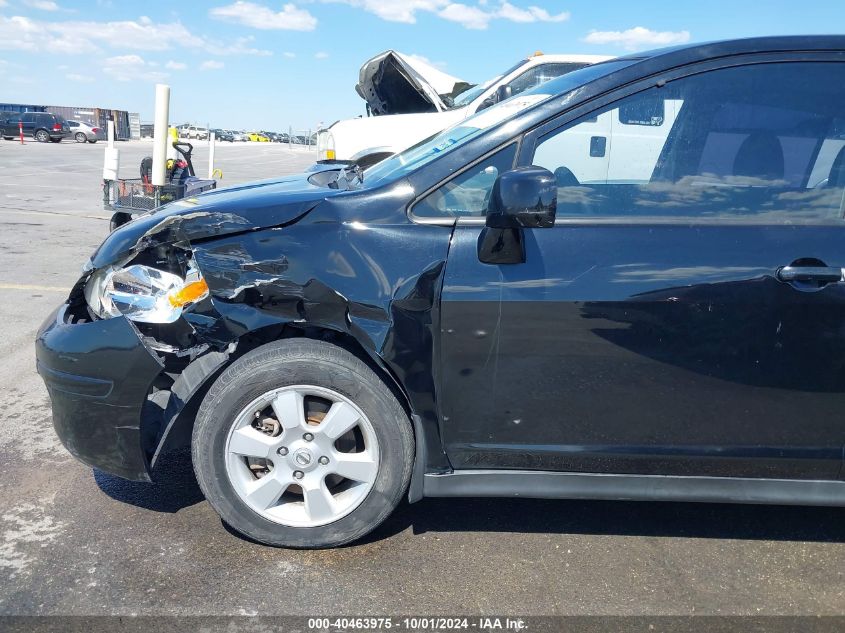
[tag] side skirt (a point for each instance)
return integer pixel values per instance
(553, 485)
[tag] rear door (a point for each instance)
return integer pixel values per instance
(28, 119)
(685, 315)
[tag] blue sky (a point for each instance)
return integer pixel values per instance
(269, 64)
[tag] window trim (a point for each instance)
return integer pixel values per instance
(532, 137)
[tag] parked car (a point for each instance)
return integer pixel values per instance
(42, 126)
(238, 136)
(82, 131)
(223, 135)
(488, 314)
(258, 136)
(410, 101)
(192, 131)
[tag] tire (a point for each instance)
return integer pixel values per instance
(42, 136)
(92, 141)
(285, 369)
(55, 140)
(80, 137)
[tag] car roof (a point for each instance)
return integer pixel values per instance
(767, 44)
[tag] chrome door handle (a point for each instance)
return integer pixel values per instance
(826, 274)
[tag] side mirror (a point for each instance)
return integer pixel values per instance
(489, 101)
(503, 92)
(525, 197)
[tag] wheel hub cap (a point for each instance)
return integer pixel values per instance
(303, 458)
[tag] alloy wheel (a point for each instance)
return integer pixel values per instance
(302, 456)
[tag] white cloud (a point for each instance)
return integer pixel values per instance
(75, 37)
(532, 14)
(85, 79)
(258, 16)
(42, 5)
(426, 60)
(131, 68)
(171, 65)
(211, 64)
(637, 38)
(470, 16)
(289, 55)
(3, 3)
(321, 55)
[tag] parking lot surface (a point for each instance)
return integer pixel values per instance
(77, 541)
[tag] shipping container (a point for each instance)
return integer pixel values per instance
(70, 113)
(134, 126)
(20, 107)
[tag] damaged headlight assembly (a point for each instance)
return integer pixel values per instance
(143, 293)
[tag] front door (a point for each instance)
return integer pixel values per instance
(684, 316)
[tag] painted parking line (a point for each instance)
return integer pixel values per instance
(5, 286)
(53, 214)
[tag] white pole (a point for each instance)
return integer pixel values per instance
(160, 136)
(210, 155)
(111, 159)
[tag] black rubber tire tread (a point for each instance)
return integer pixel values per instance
(291, 362)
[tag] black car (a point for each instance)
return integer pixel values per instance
(223, 135)
(624, 284)
(42, 126)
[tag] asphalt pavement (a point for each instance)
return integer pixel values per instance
(77, 541)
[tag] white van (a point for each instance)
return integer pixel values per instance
(638, 133)
(409, 100)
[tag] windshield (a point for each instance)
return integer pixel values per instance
(421, 154)
(452, 138)
(468, 96)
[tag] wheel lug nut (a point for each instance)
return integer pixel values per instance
(283, 450)
(298, 474)
(324, 460)
(308, 437)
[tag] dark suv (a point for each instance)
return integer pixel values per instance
(626, 283)
(42, 126)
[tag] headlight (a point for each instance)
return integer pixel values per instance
(143, 294)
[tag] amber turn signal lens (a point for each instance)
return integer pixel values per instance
(189, 293)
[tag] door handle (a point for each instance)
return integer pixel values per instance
(823, 274)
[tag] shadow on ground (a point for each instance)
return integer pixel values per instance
(176, 488)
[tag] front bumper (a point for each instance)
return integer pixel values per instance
(98, 375)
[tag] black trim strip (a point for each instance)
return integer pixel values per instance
(553, 485)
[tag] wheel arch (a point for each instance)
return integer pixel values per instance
(177, 433)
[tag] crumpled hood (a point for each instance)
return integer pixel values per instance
(248, 207)
(394, 83)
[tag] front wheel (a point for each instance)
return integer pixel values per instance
(42, 136)
(80, 137)
(300, 444)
